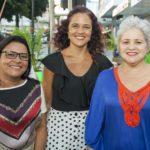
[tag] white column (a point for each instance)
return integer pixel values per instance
(70, 5)
(51, 19)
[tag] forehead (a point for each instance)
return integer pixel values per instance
(16, 46)
(133, 33)
(80, 18)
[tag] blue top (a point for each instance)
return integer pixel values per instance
(105, 125)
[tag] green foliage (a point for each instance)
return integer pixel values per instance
(111, 43)
(25, 34)
(15, 7)
(147, 59)
(35, 43)
(36, 47)
(39, 7)
(23, 8)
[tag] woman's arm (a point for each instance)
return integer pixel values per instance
(95, 117)
(47, 86)
(41, 134)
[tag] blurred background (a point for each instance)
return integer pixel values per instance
(37, 20)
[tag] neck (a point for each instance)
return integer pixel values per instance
(10, 82)
(74, 51)
(133, 69)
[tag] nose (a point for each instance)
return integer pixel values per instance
(131, 46)
(18, 58)
(80, 30)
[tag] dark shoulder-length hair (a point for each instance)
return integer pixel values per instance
(61, 40)
(21, 40)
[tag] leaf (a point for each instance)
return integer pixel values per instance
(35, 44)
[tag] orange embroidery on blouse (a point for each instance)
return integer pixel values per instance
(131, 102)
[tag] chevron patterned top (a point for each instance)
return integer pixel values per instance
(19, 113)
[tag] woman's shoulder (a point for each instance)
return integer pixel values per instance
(102, 61)
(53, 61)
(30, 83)
(105, 79)
(33, 81)
(106, 74)
(108, 71)
(100, 57)
(52, 57)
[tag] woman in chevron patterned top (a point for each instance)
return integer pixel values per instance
(22, 106)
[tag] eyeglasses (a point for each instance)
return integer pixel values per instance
(13, 55)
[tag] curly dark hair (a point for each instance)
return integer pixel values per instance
(15, 38)
(95, 45)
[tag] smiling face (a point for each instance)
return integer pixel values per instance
(13, 68)
(80, 30)
(133, 46)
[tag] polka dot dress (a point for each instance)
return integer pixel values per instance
(66, 130)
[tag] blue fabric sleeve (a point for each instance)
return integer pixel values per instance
(95, 117)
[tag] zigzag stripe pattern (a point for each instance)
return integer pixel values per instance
(14, 122)
(15, 115)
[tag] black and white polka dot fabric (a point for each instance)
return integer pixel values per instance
(66, 130)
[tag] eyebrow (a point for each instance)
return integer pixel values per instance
(7, 50)
(78, 24)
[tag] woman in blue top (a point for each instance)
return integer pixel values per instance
(119, 115)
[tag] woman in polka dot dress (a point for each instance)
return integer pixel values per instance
(69, 77)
